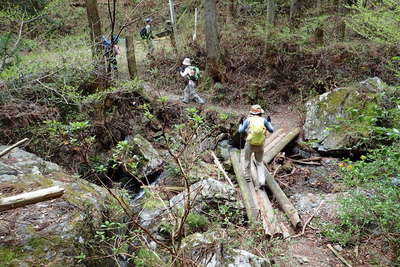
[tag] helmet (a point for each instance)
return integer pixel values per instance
(187, 62)
(256, 110)
(148, 20)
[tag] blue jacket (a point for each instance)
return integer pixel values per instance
(243, 127)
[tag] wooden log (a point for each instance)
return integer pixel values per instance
(219, 165)
(267, 213)
(271, 153)
(24, 199)
(5, 151)
(272, 137)
(340, 257)
(282, 199)
(248, 199)
(269, 145)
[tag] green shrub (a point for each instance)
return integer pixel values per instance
(373, 208)
(196, 222)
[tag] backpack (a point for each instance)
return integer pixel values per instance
(195, 73)
(256, 131)
(143, 33)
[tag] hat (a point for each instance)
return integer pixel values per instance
(256, 109)
(187, 62)
(148, 20)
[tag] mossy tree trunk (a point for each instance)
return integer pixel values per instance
(342, 11)
(214, 64)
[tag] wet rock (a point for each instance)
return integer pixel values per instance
(327, 110)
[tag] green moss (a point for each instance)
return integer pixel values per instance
(145, 257)
(196, 222)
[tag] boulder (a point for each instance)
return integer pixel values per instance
(206, 249)
(205, 192)
(326, 111)
(154, 161)
(50, 232)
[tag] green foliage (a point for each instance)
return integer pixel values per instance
(145, 257)
(196, 222)
(376, 122)
(374, 207)
(379, 23)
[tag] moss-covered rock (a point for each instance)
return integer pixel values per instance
(325, 114)
(51, 232)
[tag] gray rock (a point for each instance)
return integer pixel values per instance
(154, 161)
(48, 231)
(324, 112)
(207, 250)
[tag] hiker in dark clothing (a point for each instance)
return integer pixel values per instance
(112, 50)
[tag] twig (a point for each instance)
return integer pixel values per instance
(219, 165)
(305, 162)
(5, 151)
(308, 221)
(345, 262)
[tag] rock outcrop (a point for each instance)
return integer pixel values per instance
(47, 233)
(327, 111)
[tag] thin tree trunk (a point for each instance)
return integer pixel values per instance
(294, 6)
(233, 9)
(342, 10)
(130, 55)
(271, 9)
(173, 36)
(95, 31)
(212, 41)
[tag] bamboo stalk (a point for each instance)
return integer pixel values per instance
(282, 199)
(248, 199)
(5, 151)
(271, 153)
(24, 199)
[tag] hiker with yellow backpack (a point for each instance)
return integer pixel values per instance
(256, 128)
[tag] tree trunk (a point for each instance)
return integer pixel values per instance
(130, 55)
(173, 36)
(294, 8)
(271, 8)
(342, 10)
(214, 64)
(95, 31)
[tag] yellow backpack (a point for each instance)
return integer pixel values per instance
(256, 131)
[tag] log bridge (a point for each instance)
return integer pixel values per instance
(257, 204)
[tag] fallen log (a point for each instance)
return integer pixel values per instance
(269, 154)
(5, 151)
(340, 257)
(24, 199)
(282, 199)
(248, 199)
(267, 213)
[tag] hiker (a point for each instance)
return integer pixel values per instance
(148, 36)
(191, 75)
(111, 52)
(256, 128)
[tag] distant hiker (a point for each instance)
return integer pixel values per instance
(146, 33)
(112, 50)
(256, 128)
(191, 75)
